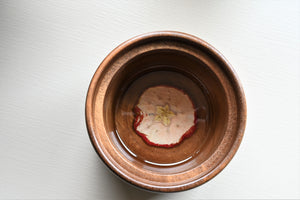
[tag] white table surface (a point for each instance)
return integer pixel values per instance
(49, 51)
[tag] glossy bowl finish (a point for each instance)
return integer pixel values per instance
(178, 60)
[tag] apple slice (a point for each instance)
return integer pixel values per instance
(164, 116)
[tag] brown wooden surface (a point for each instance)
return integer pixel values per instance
(182, 61)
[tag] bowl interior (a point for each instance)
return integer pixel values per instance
(179, 70)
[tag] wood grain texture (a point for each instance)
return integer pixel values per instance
(50, 50)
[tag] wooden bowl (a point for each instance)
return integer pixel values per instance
(182, 61)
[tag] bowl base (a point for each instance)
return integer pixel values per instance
(134, 145)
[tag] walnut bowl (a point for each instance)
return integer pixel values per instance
(182, 61)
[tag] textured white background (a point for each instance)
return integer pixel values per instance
(49, 51)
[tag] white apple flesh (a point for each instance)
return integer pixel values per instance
(164, 116)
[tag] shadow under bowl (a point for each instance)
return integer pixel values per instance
(181, 61)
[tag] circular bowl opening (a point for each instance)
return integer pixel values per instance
(179, 61)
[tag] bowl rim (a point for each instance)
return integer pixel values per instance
(238, 90)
